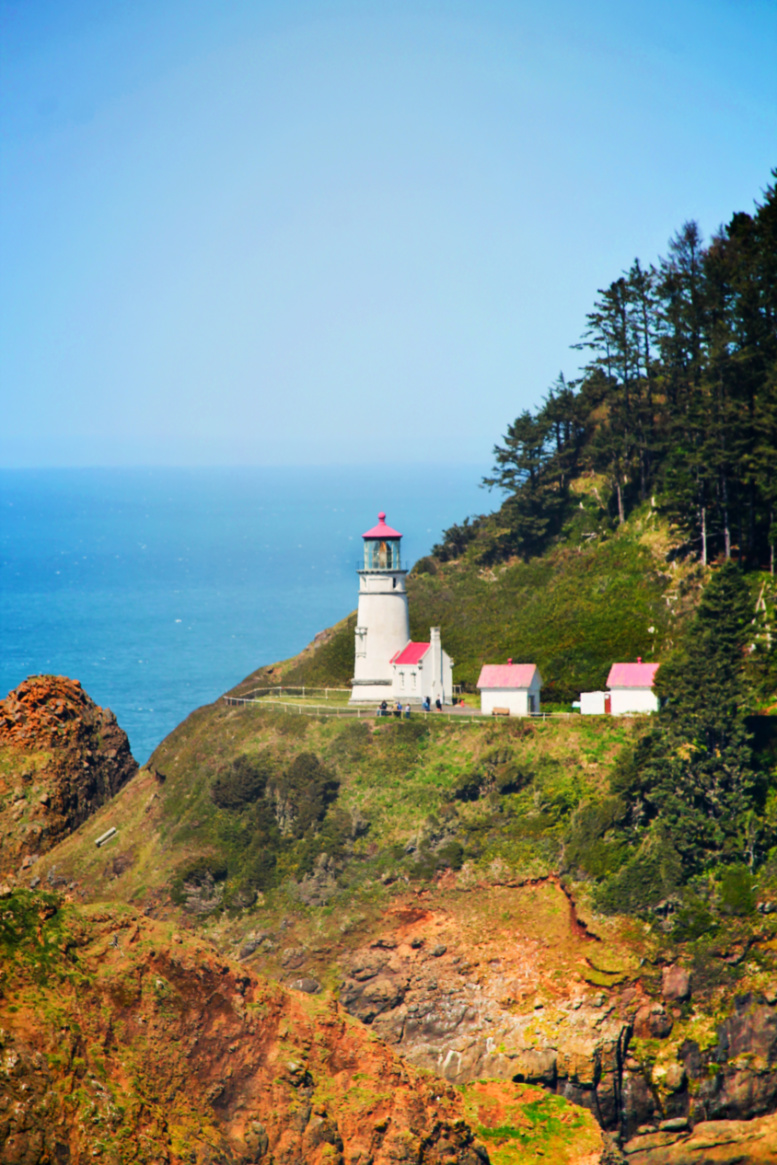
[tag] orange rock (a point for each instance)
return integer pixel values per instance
(67, 757)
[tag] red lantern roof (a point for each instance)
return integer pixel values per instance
(382, 530)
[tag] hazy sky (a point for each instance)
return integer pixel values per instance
(255, 232)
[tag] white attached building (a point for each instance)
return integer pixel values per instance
(631, 688)
(421, 670)
(511, 686)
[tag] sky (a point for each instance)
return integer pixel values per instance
(332, 232)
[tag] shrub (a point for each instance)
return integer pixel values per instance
(425, 566)
(737, 891)
(653, 874)
(451, 855)
(202, 872)
(301, 795)
(240, 783)
(586, 848)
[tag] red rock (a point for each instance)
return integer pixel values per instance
(652, 1023)
(675, 984)
(53, 715)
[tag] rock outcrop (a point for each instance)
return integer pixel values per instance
(62, 758)
(725, 1142)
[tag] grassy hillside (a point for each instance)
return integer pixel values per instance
(253, 801)
(572, 611)
(247, 816)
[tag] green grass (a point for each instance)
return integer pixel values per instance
(532, 1126)
(395, 811)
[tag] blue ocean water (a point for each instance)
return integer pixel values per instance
(161, 588)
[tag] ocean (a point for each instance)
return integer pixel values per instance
(159, 589)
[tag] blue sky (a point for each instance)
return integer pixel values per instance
(257, 233)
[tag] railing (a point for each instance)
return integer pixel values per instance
(370, 712)
(303, 690)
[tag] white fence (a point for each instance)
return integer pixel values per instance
(257, 698)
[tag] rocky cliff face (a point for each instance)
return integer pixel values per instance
(649, 1065)
(124, 1040)
(61, 758)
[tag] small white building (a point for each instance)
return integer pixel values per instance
(631, 688)
(594, 703)
(510, 687)
(421, 670)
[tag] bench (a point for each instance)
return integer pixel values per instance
(500, 711)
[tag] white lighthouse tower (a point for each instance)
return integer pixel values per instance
(382, 621)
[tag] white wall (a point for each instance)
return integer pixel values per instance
(438, 670)
(516, 699)
(592, 703)
(633, 700)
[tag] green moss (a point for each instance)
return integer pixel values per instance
(530, 1127)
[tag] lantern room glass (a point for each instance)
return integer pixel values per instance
(381, 554)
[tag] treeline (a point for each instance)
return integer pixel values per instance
(678, 401)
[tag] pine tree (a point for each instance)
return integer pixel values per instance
(693, 775)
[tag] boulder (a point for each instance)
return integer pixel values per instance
(652, 1022)
(675, 984)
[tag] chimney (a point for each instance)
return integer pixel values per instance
(436, 653)
(510, 660)
(639, 659)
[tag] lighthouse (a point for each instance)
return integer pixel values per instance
(382, 620)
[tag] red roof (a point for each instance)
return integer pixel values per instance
(382, 530)
(413, 653)
(508, 675)
(632, 675)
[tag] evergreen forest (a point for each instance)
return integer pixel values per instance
(677, 403)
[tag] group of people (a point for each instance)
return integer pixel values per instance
(404, 709)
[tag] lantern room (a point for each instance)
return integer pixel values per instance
(381, 547)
